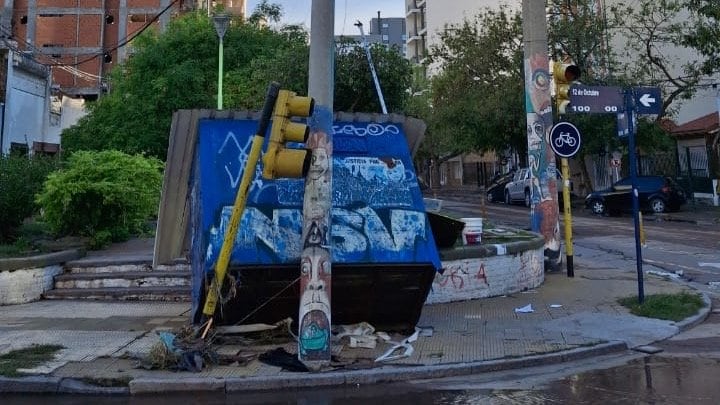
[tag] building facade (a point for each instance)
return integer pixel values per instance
(81, 39)
(425, 19)
(391, 31)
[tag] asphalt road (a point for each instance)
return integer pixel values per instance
(680, 248)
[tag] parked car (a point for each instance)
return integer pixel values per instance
(655, 194)
(518, 190)
(496, 190)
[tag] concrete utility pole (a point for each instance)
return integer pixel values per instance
(316, 258)
(544, 215)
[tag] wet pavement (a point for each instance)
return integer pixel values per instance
(646, 380)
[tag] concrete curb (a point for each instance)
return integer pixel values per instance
(392, 373)
(386, 374)
(42, 260)
(695, 320)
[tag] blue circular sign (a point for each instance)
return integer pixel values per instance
(565, 139)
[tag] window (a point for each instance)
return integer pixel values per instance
(385, 38)
(385, 25)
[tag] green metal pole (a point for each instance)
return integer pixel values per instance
(220, 77)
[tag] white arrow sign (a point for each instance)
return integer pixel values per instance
(647, 100)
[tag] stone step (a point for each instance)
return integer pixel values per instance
(116, 266)
(126, 279)
(177, 294)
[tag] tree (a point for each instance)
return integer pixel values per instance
(477, 96)
(354, 85)
(177, 69)
(168, 71)
(657, 32)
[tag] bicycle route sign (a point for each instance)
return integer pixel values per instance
(565, 139)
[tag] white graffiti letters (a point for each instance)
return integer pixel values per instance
(371, 129)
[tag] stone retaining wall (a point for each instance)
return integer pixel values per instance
(25, 279)
(488, 270)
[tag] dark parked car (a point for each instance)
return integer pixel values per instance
(655, 194)
(496, 190)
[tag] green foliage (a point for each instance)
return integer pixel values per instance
(105, 195)
(178, 68)
(21, 178)
(652, 34)
(354, 86)
(477, 96)
(29, 357)
(173, 70)
(672, 307)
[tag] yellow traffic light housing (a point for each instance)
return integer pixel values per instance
(564, 74)
(280, 161)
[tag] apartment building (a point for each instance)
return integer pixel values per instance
(390, 30)
(426, 18)
(82, 39)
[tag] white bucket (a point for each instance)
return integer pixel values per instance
(472, 232)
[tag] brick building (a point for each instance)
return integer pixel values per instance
(81, 39)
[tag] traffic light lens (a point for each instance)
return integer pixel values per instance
(572, 73)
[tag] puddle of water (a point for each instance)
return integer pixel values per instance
(648, 380)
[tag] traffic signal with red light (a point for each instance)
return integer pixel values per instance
(564, 74)
(281, 161)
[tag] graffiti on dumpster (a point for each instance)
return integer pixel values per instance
(377, 209)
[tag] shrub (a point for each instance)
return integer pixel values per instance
(21, 177)
(105, 195)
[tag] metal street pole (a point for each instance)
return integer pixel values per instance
(221, 22)
(314, 317)
(630, 111)
(544, 215)
(372, 66)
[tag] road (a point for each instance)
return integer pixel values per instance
(690, 250)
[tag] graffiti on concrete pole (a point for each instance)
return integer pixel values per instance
(544, 215)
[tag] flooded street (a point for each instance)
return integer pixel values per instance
(644, 380)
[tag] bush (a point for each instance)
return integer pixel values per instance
(105, 195)
(21, 177)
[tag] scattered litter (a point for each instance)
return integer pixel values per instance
(663, 274)
(716, 265)
(237, 329)
(524, 310)
(714, 284)
(367, 342)
(281, 358)
(555, 306)
(426, 331)
(393, 353)
(356, 329)
(168, 339)
(648, 349)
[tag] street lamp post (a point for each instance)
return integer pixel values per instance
(221, 22)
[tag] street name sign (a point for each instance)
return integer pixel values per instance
(596, 99)
(565, 139)
(623, 127)
(648, 100)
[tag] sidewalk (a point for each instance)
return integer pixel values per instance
(572, 318)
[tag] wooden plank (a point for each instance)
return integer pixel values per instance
(172, 238)
(174, 204)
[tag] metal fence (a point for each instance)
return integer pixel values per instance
(693, 167)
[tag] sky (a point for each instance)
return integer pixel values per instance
(347, 12)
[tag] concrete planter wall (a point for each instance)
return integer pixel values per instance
(25, 279)
(488, 270)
